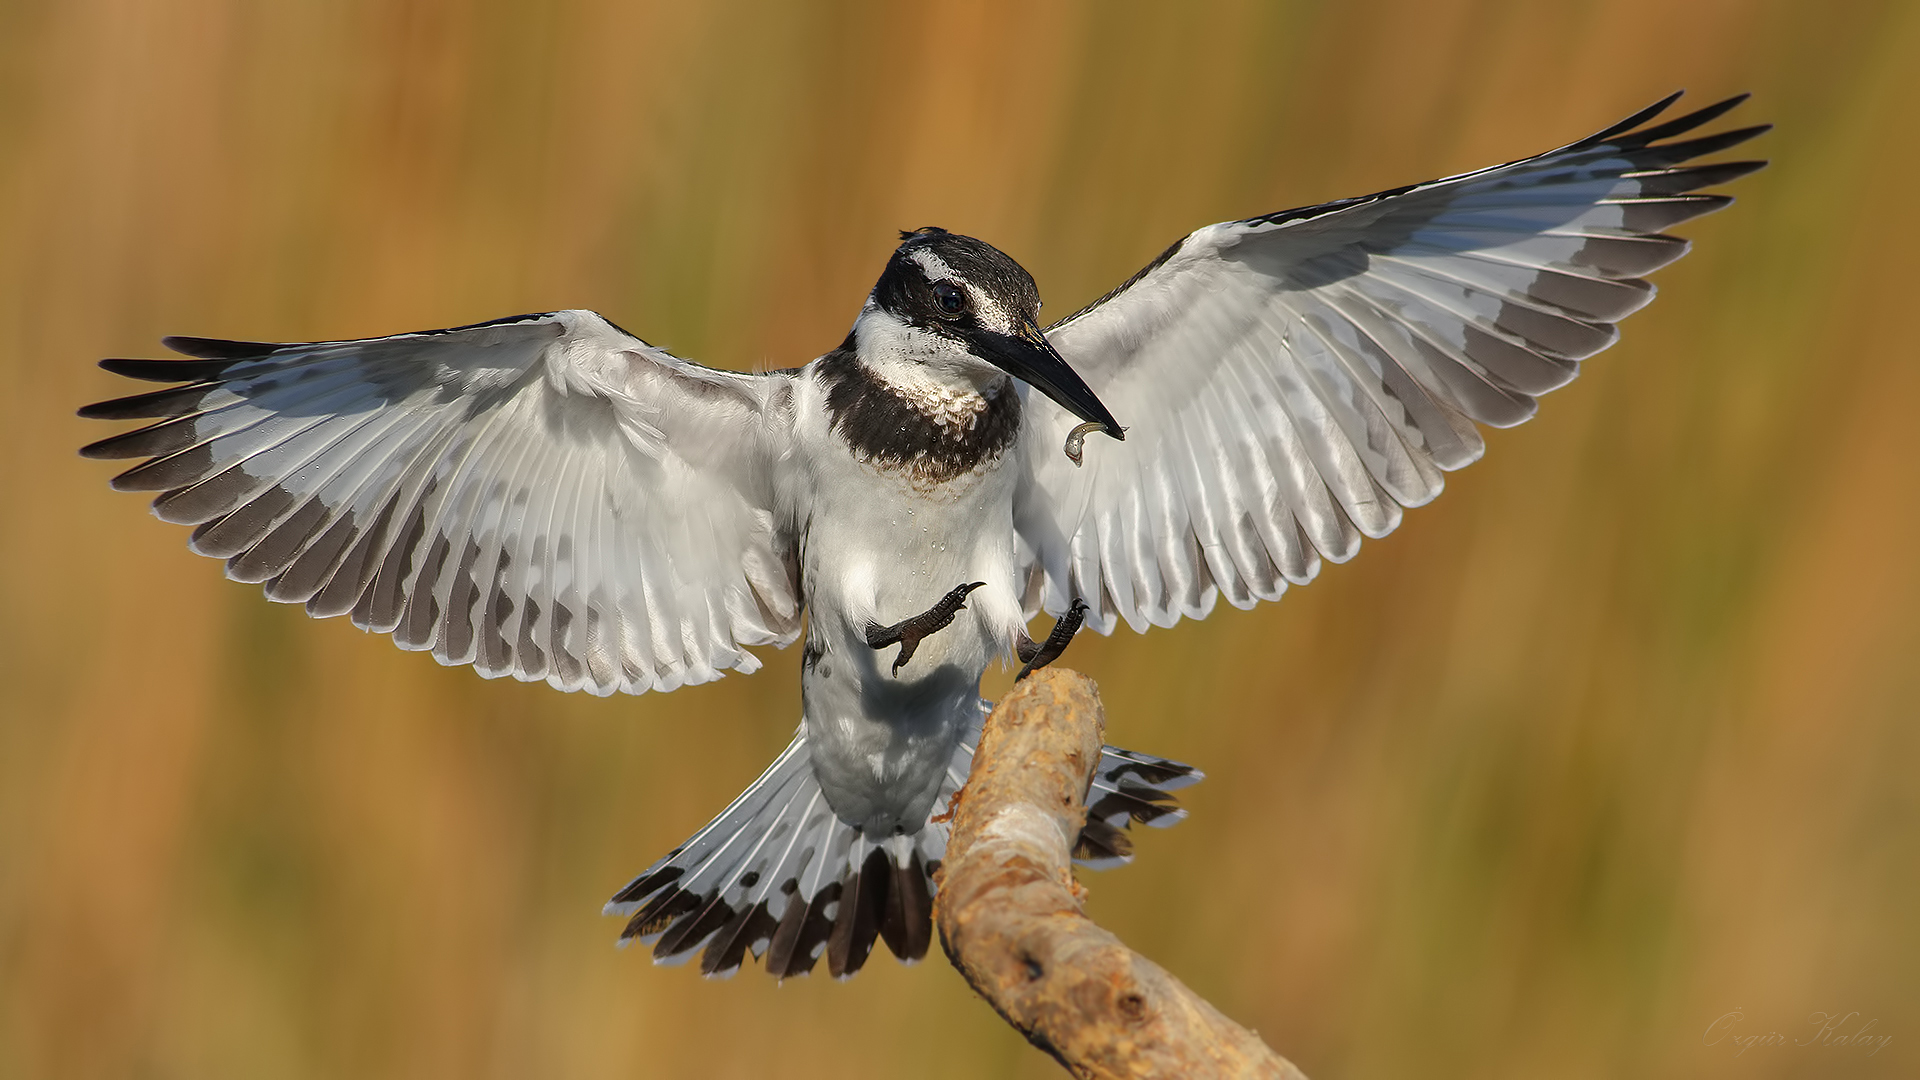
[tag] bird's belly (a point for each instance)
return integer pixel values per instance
(881, 552)
(882, 556)
(881, 746)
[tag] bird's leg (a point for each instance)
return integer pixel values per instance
(1046, 652)
(907, 633)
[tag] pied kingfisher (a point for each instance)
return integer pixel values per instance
(552, 498)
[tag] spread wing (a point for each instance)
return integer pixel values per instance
(546, 497)
(1290, 382)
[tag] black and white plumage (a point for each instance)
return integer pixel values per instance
(549, 497)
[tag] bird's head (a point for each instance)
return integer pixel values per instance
(951, 301)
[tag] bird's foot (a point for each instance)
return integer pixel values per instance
(908, 633)
(1039, 655)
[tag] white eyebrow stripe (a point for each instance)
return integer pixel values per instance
(936, 268)
(986, 307)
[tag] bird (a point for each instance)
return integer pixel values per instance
(552, 498)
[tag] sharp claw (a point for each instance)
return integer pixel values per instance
(1026, 648)
(907, 647)
(1064, 628)
(910, 632)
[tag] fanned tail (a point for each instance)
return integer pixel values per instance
(779, 875)
(1128, 788)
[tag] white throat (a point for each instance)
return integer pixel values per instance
(935, 374)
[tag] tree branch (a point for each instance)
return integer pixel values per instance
(1009, 910)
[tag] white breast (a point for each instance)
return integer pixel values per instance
(880, 546)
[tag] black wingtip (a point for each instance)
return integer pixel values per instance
(1681, 124)
(1638, 118)
(1631, 133)
(1708, 144)
(1719, 108)
(166, 370)
(99, 451)
(218, 348)
(99, 410)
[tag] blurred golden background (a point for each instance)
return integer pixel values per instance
(1616, 739)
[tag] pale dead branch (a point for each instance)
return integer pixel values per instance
(1010, 918)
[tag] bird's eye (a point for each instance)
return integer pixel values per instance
(949, 297)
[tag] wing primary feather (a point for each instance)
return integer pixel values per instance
(173, 401)
(167, 370)
(178, 468)
(1679, 125)
(1634, 121)
(1675, 152)
(360, 485)
(221, 350)
(278, 538)
(1676, 181)
(288, 461)
(245, 414)
(1479, 393)
(399, 520)
(1583, 296)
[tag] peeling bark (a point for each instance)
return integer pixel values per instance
(1009, 912)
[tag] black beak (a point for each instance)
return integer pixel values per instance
(1027, 356)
